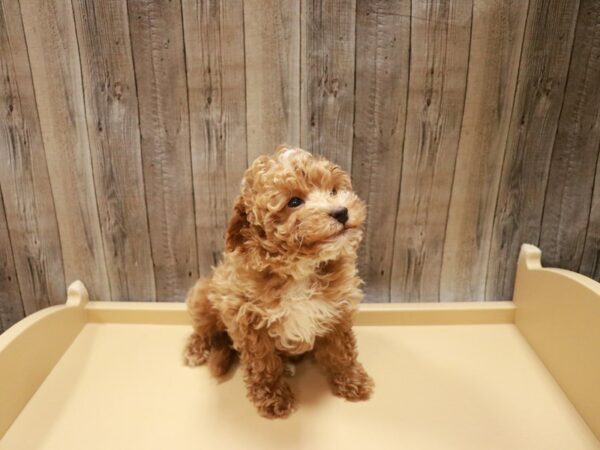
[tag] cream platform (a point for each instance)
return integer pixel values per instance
(504, 375)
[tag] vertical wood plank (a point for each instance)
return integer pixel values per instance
(214, 45)
(52, 47)
(272, 54)
(539, 97)
(382, 65)
(11, 305)
(571, 178)
(157, 43)
(28, 202)
(113, 129)
(497, 35)
(327, 78)
(590, 262)
(440, 35)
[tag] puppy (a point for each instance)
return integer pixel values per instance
(288, 283)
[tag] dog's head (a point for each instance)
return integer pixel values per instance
(295, 206)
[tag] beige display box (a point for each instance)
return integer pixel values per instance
(503, 375)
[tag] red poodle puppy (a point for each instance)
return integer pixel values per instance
(288, 283)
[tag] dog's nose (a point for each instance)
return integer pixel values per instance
(340, 214)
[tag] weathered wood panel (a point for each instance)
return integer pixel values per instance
(327, 78)
(54, 59)
(440, 35)
(11, 304)
(272, 55)
(113, 127)
(539, 97)
(28, 203)
(382, 66)
(496, 40)
(590, 263)
(214, 44)
(469, 126)
(568, 197)
(586, 54)
(156, 29)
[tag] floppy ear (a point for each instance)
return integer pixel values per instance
(233, 236)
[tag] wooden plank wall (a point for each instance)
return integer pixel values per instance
(440, 42)
(539, 98)
(469, 127)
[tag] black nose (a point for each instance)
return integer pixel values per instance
(340, 214)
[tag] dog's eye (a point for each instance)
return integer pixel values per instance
(295, 202)
(334, 191)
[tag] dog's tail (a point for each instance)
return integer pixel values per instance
(222, 355)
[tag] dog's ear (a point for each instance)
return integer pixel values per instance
(238, 221)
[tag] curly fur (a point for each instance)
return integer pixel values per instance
(287, 285)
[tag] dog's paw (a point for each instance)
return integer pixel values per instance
(193, 359)
(353, 384)
(276, 403)
(196, 352)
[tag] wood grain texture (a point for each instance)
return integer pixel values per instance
(590, 262)
(156, 29)
(214, 44)
(54, 59)
(496, 39)
(11, 304)
(468, 126)
(538, 101)
(382, 66)
(440, 35)
(272, 55)
(568, 196)
(327, 78)
(113, 129)
(28, 203)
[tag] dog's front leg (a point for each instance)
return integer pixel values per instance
(263, 374)
(336, 353)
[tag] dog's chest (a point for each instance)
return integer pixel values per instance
(301, 317)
